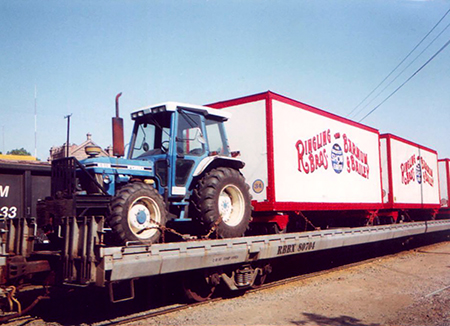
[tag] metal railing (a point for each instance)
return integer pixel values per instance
(65, 172)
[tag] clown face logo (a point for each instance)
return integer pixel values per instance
(419, 173)
(337, 158)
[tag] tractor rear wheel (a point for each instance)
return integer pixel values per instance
(224, 202)
(137, 213)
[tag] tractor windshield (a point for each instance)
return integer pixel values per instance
(151, 135)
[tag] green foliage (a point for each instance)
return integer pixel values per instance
(21, 151)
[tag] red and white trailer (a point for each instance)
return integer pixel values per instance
(300, 158)
(410, 177)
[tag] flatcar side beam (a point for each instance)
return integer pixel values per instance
(121, 263)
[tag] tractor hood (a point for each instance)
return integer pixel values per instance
(117, 166)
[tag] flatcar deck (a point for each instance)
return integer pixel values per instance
(122, 263)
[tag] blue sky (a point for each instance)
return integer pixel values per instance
(327, 53)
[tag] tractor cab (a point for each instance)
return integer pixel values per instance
(180, 140)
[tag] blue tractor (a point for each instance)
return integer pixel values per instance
(178, 168)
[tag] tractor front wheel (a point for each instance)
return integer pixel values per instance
(137, 213)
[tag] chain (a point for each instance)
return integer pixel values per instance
(372, 218)
(299, 213)
(213, 228)
(408, 217)
(164, 228)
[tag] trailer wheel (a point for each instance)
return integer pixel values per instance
(137, 213)
(224, 202)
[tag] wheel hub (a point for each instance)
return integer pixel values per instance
(231, 205)
(140, 216)
(225, 206)
(143, 217)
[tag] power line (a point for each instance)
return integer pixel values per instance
(401, 62)
(404, 69)
(411, 77)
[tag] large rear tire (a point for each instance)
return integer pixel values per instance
(224, 202)
(137, 213)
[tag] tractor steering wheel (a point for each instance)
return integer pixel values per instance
(165, 146)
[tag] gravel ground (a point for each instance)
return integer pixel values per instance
(411, 288)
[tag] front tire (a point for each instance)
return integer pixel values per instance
(137, 213)
(223, 194)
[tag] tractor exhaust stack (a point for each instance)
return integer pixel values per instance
(117, 126)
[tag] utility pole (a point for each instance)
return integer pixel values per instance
(35, 121)
(68, 133)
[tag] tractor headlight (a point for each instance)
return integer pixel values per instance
(138, 114)
(159, 109)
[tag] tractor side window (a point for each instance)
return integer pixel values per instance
(216, 137)
(190, 140)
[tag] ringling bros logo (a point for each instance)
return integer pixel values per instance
(416, 169)
(313, 154)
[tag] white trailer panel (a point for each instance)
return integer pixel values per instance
(412, 174)
(249, 137)
(323, 159)
(302, 158)
(444, 181)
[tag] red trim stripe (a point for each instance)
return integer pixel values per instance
(406, 141)
(447, 172)
(302, 206)
(411, 206)
(271, 197)
(287, 100)
(390, 177)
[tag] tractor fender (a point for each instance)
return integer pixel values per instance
(218, 161)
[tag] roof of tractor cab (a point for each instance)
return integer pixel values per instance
(172, 106)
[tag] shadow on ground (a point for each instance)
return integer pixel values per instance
(330, 321)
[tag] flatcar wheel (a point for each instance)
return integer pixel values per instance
(259, 281)
(261, 278)
(199, 287)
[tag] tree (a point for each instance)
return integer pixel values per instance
(21, 151)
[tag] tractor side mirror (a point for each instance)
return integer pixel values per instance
(199, 136)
